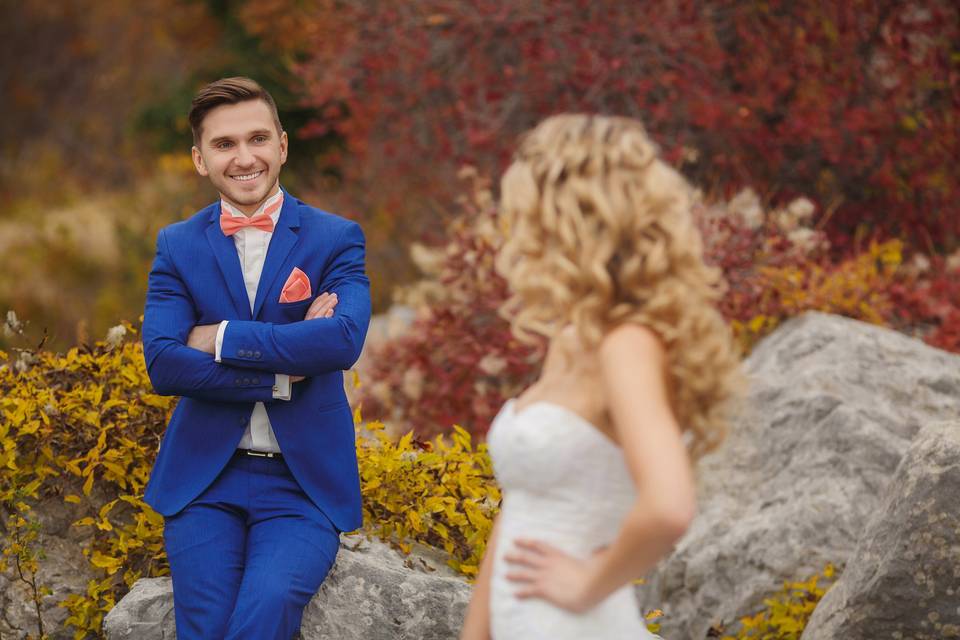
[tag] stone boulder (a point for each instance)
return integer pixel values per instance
(372, 593)
(904, 577)
(832, 407)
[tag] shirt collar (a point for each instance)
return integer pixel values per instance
(277, 197)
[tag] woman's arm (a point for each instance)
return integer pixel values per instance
(634, 380)
(476, 624)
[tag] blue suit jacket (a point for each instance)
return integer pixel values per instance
(197, 279)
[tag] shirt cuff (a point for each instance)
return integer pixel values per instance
(219, 343)
(281, 387)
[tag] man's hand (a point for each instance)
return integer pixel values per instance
(322, 307)
(203, 337)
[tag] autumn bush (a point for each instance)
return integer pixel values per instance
(459, 362)
(786, 613)
(852, 104)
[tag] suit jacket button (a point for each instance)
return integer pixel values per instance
(243, 353)
(246, 381)
(256, 381)
(256, 354)
(238, 381)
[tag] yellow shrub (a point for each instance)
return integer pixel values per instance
(856, 288)
(442, 494)
(786, 613)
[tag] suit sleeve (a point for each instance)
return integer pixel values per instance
(317, 346)
(176, 369)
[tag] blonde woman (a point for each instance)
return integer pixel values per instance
(594, 459)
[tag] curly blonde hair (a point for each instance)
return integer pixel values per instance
(599, 232)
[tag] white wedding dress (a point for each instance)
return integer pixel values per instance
(567, 484)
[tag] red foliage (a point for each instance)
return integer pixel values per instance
(459, 360)
(851, 103)
(928, 304)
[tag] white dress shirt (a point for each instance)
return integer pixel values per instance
(252, 246)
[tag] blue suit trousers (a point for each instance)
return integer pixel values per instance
(248, 554)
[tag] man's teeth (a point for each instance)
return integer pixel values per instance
(249, 176)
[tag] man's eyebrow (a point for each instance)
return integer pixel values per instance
(256, 132)
(219, 139)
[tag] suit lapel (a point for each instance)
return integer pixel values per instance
(284, 238)
(226, 252)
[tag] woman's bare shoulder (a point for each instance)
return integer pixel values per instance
(632, 340)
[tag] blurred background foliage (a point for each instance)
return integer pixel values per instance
(852, 105)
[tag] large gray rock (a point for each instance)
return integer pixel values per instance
(832, 407)
(904, 577)
(372, 593)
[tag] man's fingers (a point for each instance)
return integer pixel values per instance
(322, 307)
(317, 303)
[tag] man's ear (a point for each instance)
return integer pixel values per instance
(283, 147)
(198, 162)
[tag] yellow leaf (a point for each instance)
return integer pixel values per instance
(88, 485)
(105, 562)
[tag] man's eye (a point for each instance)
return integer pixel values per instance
(260, 139)
(223, 145)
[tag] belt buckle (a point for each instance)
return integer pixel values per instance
(260, 454)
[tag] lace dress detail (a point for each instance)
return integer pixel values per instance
(567, 484)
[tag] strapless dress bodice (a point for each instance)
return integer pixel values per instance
(566, 483)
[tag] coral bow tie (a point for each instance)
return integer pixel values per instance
(231, 224)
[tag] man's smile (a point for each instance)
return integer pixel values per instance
(248, 176)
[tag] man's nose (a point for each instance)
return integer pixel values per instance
(244, 157)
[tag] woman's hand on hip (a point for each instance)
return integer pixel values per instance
(545, 572)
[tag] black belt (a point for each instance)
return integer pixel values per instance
(260, 454)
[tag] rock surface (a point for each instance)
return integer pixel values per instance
(832, 407)
(372, 593)
(64, 570)
(903, 580)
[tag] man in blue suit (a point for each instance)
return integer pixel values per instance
(257, 472)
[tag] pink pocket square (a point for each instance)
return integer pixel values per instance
(296, 288)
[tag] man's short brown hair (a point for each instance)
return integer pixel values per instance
(227, 91)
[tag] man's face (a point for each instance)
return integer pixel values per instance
(241, 152)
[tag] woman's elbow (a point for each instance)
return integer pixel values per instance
(667, 521)
(675, 518)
